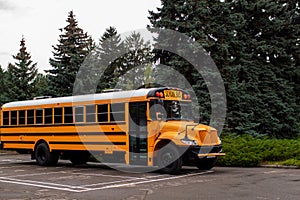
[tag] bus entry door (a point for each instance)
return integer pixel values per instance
(138, 145)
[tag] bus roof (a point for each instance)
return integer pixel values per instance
(82, 98)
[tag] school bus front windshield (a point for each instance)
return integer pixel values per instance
(170, 110)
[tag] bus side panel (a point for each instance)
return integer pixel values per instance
(108, 138)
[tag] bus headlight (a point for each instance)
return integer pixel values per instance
(189, 142)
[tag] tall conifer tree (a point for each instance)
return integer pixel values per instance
(21, 75)
(108, 51)
(135, 62)
(74, 45)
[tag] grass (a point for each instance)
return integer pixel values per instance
(247, 151)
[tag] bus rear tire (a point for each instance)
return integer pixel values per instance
(44, 157)
(169, 159)
(206, 163)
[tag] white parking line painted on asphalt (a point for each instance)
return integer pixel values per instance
(39, 185)
(148, 181)
(130, 181)
(112, 182)
(107, 175)
(36, 174)
(42, 183)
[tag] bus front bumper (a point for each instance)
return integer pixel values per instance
(195, 153)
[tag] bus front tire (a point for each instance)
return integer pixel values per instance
(44, 157)
(169, 159)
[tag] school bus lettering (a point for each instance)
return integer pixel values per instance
(173, 94)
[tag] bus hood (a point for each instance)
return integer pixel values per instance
(179, 131)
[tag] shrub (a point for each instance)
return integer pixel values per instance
(247, 151)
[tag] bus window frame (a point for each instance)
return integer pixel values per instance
(75, 114)
(39, 116)
(103, 113)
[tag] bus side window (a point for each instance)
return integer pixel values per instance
(13, 118)
(103, 113)
(39, 116)
(6, 118)
(30, 116)
(90, 113)
(21, 117)
(68, 115)
(117, 112)
(48, 115)
(57, 115)
(79, 114)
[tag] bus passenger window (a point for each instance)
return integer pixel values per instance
(57, 115)
(48, 115)
(90, 113)
(39, 116)
(68, 115)
(6, 118)
(13, 118)
(103, 113)
(21, 117)
(79, 114)
(117, 112)
(30, 116)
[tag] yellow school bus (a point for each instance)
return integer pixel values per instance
(147, 127)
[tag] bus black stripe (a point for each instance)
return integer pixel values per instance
(65, 134)
(53, 125)
(18, 142)
(88, 143)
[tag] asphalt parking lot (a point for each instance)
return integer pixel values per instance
(21, 178)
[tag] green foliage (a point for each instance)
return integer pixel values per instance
(135, 63)
(3, 80)
(247, 151)
(125, 62)
(108, 54)
(20, 76)
(291, 162)
(255, 45)
(74, 45)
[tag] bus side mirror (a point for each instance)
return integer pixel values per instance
(159, 116)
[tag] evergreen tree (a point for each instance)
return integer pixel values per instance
(3, 87)
(74, 45)
(21, 75)
(41, 85)
(255, 45)
(108, 54)
(136, 63)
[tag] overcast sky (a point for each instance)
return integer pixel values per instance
(39, 21)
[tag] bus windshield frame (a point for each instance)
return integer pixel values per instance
(170, 110)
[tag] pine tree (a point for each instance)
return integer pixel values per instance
(108, 52)
(255, 45)
(3, 88)
(41, 85)
(136, 63)
(74, 45)
(21, 75)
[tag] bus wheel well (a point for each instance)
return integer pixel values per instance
(162, 143)
(39, 142)
(35, 146)
(158, 146)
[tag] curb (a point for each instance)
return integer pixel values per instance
(280, 166)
